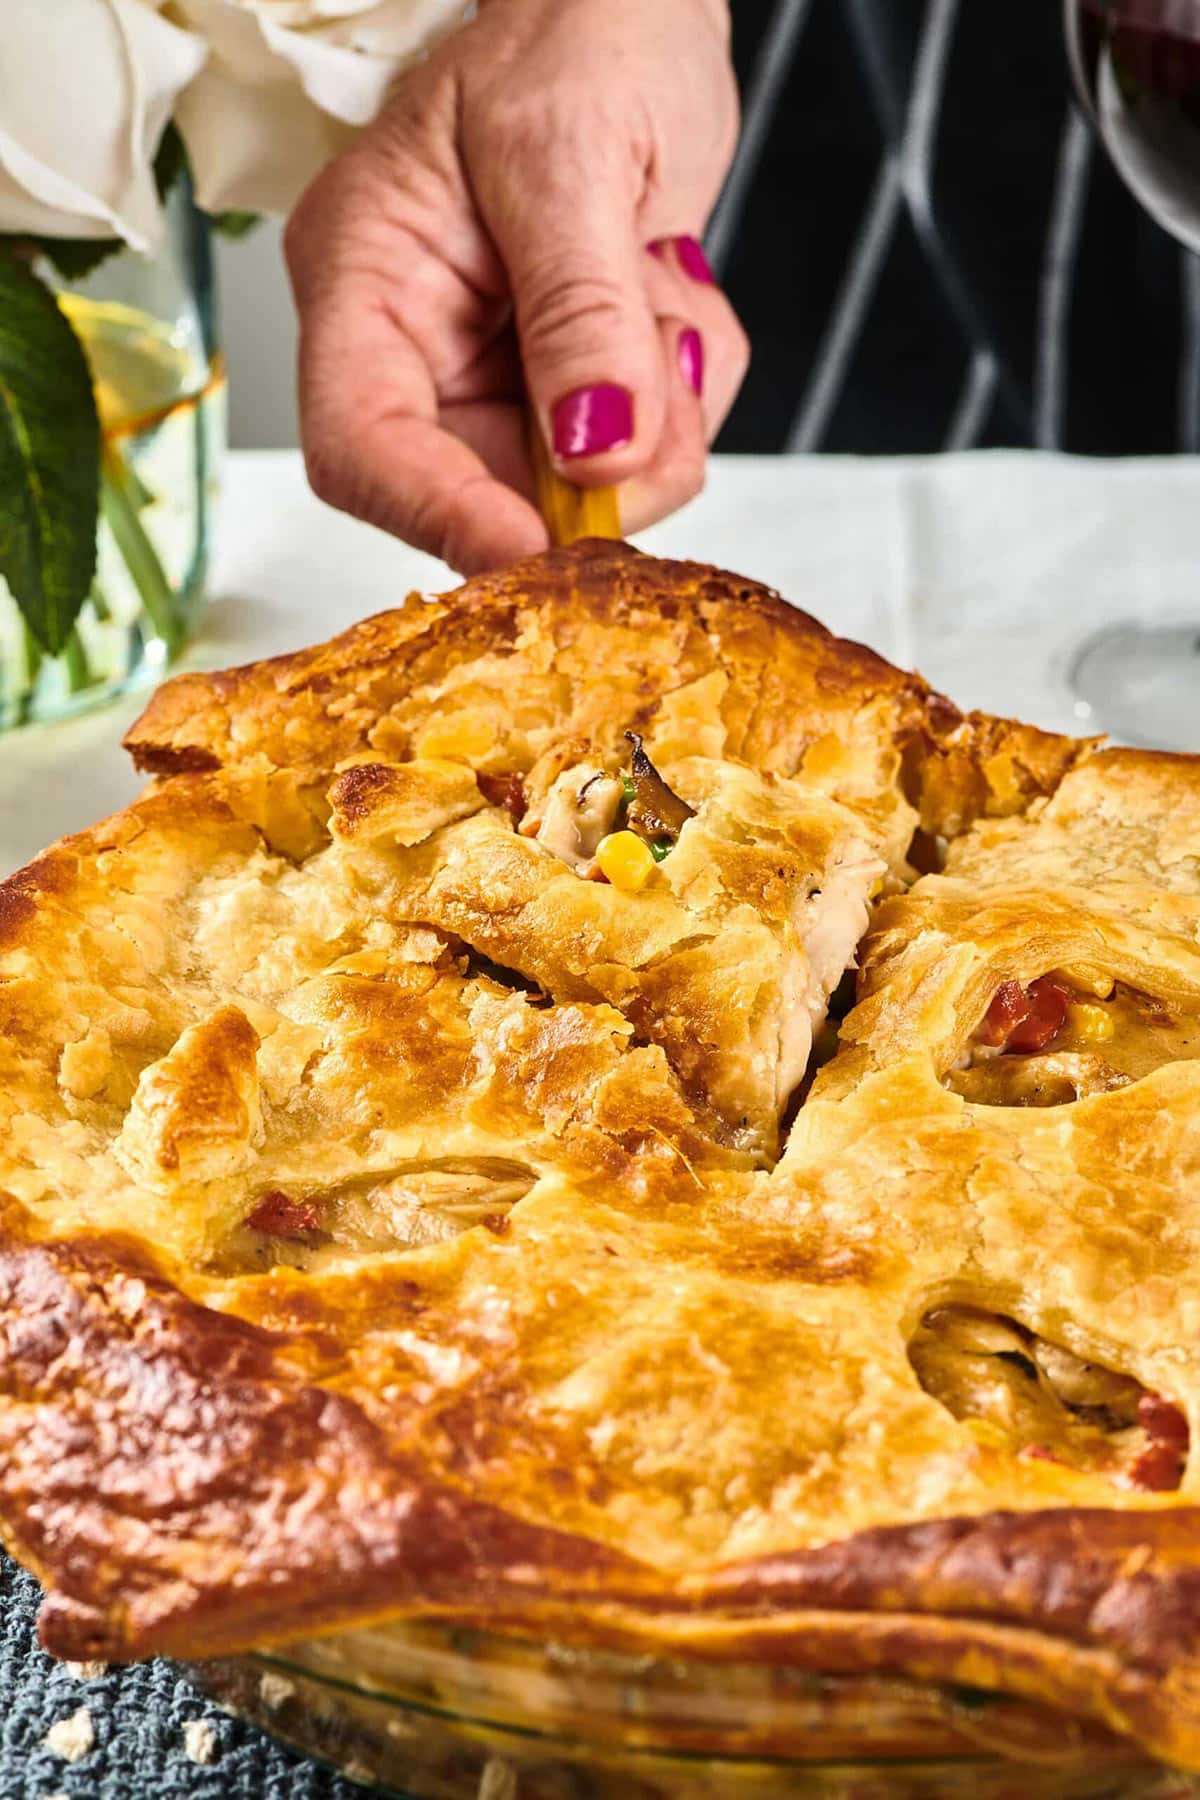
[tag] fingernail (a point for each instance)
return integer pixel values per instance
(592, 420)
(689, 254)
(691, 358)
(692, 260)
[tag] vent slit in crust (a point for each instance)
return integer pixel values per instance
(401, 1208)
(1035, 1398)
(1047, 1043)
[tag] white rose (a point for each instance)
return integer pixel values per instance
(288, 82)
(263, 91)
(83, 103)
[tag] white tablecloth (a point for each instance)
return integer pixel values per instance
(982, 570)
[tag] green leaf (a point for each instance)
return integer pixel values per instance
(76, 257)
(72, 257)
(170, 160)
(49, 458)
(233, 224)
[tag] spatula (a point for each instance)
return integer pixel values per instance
(570, 512)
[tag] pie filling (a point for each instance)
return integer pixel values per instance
(1037, 1399)
(617, 826)
(400, 1208)
(1047, 1043)
(611, 826)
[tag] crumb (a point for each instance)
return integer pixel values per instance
(498, 1782)
(199, 1741)
(86, 1671)
(275, 1689)
(357, 1771)
(73, 1737)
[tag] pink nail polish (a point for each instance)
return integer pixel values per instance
(691, 358)
(692, 260)
(593, 419)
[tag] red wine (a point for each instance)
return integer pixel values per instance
(1137, 66)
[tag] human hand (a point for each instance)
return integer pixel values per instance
(487, 238)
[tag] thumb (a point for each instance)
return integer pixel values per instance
(566, 231)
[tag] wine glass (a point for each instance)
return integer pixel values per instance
(1136, 65)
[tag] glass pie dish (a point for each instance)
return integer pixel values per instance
(440, 1713)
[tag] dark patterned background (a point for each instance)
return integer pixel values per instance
(138, 1717)
(928, 249)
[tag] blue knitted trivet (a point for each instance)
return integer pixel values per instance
(138, 1715)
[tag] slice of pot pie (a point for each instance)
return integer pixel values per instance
(432, 1191)
(717, 918)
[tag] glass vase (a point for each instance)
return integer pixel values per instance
(148, 328)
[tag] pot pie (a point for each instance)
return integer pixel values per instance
(591, 1109)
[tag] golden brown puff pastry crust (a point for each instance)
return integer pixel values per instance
(394, 1224)
(584, 644)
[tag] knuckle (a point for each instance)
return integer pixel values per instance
(560, 304)
(739, 346)
(730, 118)
(681, 474)
(304, 228)
(347, 217)
(692, 463)
(516, 125)
(513, 127)
(296, 241)
(326, 474)
(691, 475)
(728, 348)
(425, 524)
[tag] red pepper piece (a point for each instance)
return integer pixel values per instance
(278, 1215)
(1163, 1421)
(507, 791)
(1047, 1014)
(1007, 1009)
(1025, 1019)
(1158, 1467)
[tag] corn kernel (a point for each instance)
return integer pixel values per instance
(460, 737)
(1092, 1023)
(625, 860)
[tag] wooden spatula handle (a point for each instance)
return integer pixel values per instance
(570, 512)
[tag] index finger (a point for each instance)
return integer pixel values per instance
(373, 445)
